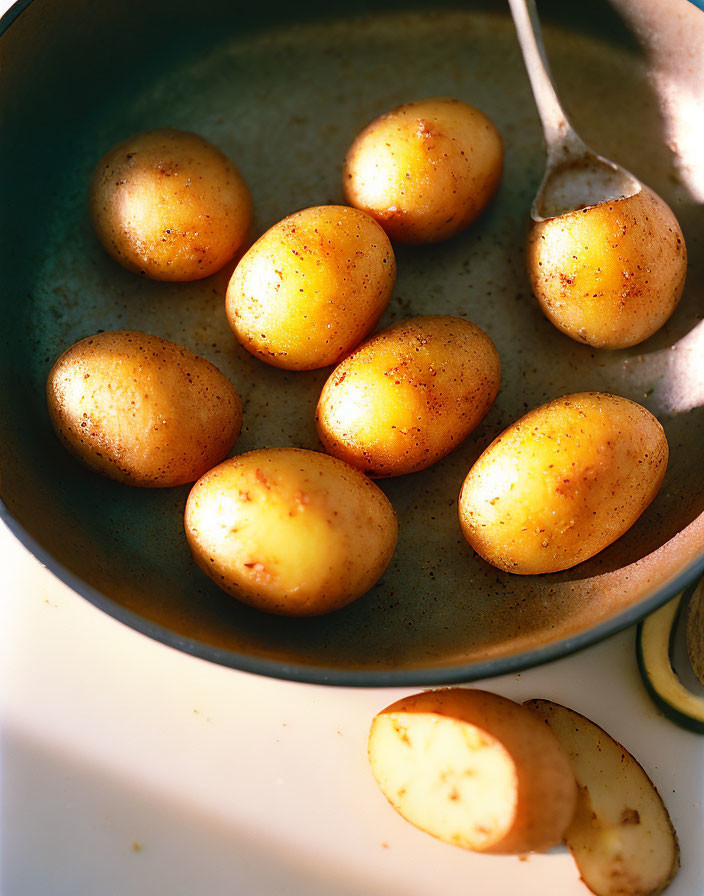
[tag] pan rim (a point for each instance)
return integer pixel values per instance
(322, 675)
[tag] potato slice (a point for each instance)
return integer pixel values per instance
(621, 836)
(473, 769)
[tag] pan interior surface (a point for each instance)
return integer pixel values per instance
(284, 102)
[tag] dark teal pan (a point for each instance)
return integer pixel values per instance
(284, 99)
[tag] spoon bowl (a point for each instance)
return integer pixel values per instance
(579, 180)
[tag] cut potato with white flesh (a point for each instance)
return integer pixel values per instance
(621, 836)
(473, 769)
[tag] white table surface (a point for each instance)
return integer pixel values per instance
(129, 767)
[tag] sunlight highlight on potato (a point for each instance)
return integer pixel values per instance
(142, 410)
(563, 483)
(312, 287)
(609, 275)
(409, 395)
(425, 170)
(289, 531)
(169, 205)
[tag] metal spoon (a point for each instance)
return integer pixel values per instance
(575, 176)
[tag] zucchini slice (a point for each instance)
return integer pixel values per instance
(695, 632)
(654, 640)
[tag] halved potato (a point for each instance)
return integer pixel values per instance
(473, 769)
(621, 836)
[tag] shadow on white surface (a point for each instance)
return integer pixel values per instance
(69, 827)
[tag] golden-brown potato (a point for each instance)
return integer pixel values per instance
(169, 205)
(291, 532)
(425, 170)
(409, 395)
(473, 769)
(611, 274)
(142, 410)
(312, 287)
(563, 483)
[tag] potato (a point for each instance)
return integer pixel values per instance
(142, 410)
(621, 835)
(312, 287)
(611, 274)
(563, 482)
(425, 170)
(473, 769)
(409, 395)
(169, 205)
(291, 532)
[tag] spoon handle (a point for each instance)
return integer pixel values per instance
(561, 138)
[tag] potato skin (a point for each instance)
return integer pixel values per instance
(312, 287)
(142, 410)
(621, 837)
(563, 483)
(425, 170)
(409, 395)
(169, 205)
(473, 769)
(289, 531)
(611, 274)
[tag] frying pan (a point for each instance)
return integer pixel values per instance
(283, 89)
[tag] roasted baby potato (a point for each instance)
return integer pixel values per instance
(312, 287)
(611, 274)
(621, 835)
(426, 170)
(563, 483)
(142, 410)
(291, 532)
(409, 395)
(473, 769)
(169, 205)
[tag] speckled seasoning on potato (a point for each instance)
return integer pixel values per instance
(563, 483)
(169, 205)
(409, 395)
(473, 769)
(290, 531)
(621, 836)
(312, 287)
(425, 170)
(611, 274)
(142, 410)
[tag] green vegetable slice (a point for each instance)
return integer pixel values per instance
(653, 650)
